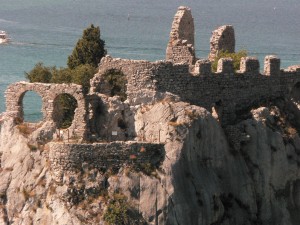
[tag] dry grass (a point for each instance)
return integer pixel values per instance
(28, 194)
(32, 147)
(291, 131)
(192, 114)
(24, 129)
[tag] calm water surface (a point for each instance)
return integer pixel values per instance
(137, 29)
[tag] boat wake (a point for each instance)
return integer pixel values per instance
(39, 44)
(7, 21)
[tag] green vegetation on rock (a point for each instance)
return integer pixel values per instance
(117, 80)
(236, 57)
(117, 210)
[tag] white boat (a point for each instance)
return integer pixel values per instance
(4, 37)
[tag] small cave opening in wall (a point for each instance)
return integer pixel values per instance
(32, 107)
(64, 107)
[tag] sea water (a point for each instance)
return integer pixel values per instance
(46, 31)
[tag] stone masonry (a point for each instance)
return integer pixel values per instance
(190, 79)
(182, 76)
(66, 158)
(181, 44)
(48, 92)
(235, 90)
(222, 39)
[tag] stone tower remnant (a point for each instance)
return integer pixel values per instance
(180, 48)
(222, 39)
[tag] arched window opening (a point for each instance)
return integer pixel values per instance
(64, 110)
(32, 107)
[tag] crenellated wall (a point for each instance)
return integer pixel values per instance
(234, 91)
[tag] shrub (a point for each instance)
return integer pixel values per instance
(24, 129)
(236, 57)
(40, 73)
(32, 147)
(117, 210)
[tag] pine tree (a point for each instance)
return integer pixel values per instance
(88, 50)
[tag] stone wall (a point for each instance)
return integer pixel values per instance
(227, 91)
(48, 92)
(222, 39)
(233, 91)
(68, 158)
(180, 48)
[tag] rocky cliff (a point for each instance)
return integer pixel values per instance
(203, 177)
(183, 146)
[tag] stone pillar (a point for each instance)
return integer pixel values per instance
(249, 65)
(225, 66)
(180, 48)
(203, 67)
(222, 39)
(272, 65)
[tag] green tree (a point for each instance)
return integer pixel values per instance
(82, 75)
(236, 57)
(64, 106)
(88, 50)
(62, 75)
(117, 81)
(40, 73)
(79, 75)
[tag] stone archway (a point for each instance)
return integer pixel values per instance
(31, 103)
(14, 104)
(64, 106)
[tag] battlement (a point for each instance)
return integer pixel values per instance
(202, 86)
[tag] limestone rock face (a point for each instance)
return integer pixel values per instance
(202, 179)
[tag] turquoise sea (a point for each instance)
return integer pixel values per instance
(137, 29)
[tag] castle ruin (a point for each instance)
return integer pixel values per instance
(181, 76)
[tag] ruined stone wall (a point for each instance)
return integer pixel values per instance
(68, 158)
(180, 48)
(141, 86)
(48, 92)
(222, 39)
(234, 91)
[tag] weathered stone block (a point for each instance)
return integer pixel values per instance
(225, 66)
(272, 65)
(203, 67)
(249, 65)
